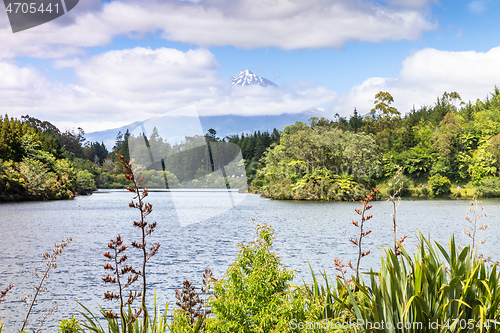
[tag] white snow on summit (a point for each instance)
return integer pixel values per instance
(246, 78)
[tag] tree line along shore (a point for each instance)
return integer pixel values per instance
(447, 149)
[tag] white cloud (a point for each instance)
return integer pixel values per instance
(256, 100)
(425, 76)
(287, 24)
(130, 85)
(409, 3)
(147, 75)
(478, 6)
(291, 24)
(19, 86)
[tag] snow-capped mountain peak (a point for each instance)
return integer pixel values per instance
(246, 78)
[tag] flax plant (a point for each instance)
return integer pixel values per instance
(475, 211)
(360, 225)
(155, 323)
(125, 275)
(330, 296)
(4, 292)
(208, 277)
(145, 227)
(189, 301)
(50, 264)
(2, 295)
(426, 293)
(118, 272)
(395, 196)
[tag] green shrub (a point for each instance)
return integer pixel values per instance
(12, 184)
(252, 295)
(489, 188)
(439, 185)
(157, 179)
(34, 180)
(69, 325)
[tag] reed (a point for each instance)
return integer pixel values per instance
(156, 322)
(362, 232)
(50, 264)
(395, 198)
(475, 210)
(119, 270)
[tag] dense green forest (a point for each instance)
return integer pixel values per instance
(34, 164)
(39, 162)
(449, 148)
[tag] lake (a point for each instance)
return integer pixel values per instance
(199, 229)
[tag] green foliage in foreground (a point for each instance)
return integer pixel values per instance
(252, 295)
(157, 323)
(437, 289)
(456, 294)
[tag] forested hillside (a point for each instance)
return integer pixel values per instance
(449, 145)
(38, 162)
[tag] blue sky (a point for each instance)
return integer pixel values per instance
(107, 64)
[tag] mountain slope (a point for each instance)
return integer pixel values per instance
(226, 125)
(246, 78)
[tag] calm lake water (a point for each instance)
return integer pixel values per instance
(305, 231)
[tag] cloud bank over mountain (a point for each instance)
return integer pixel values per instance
(135, 84)
(91, 67)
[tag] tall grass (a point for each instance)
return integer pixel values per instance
(437, 286)
(155, 322)
(437, 289)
